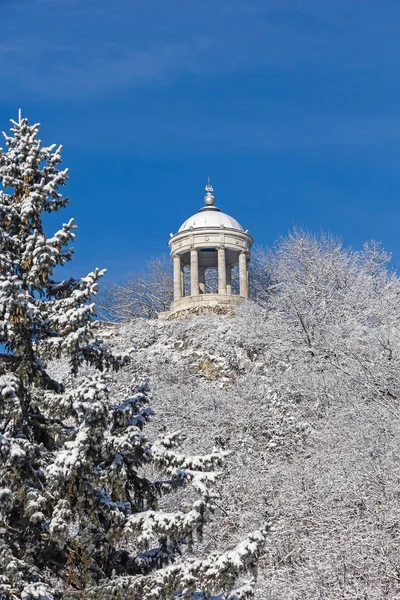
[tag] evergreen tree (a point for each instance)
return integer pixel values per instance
(79, 512)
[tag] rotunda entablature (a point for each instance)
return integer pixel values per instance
(208, 239)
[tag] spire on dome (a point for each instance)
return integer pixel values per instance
(209, 199)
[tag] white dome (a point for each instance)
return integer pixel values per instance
(211, 217)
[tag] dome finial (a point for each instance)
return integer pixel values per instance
(209, 199)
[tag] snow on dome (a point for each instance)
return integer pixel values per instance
(210, 215)
(210, 218)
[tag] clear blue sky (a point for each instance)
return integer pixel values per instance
(292, 108)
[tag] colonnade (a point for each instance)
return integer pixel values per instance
(197, 275)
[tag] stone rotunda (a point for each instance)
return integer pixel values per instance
(209, 240)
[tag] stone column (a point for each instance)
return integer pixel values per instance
(221, 271)
(177, 278)
(228, 279)
(182, 279)
(202, 280)
(244, 285)
(194, 272)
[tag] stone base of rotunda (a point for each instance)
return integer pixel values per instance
(201, 304)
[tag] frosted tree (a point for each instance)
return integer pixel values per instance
(80, 482)
(305, 393)
(143, 294)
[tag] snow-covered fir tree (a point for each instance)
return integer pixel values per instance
(80, 481)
